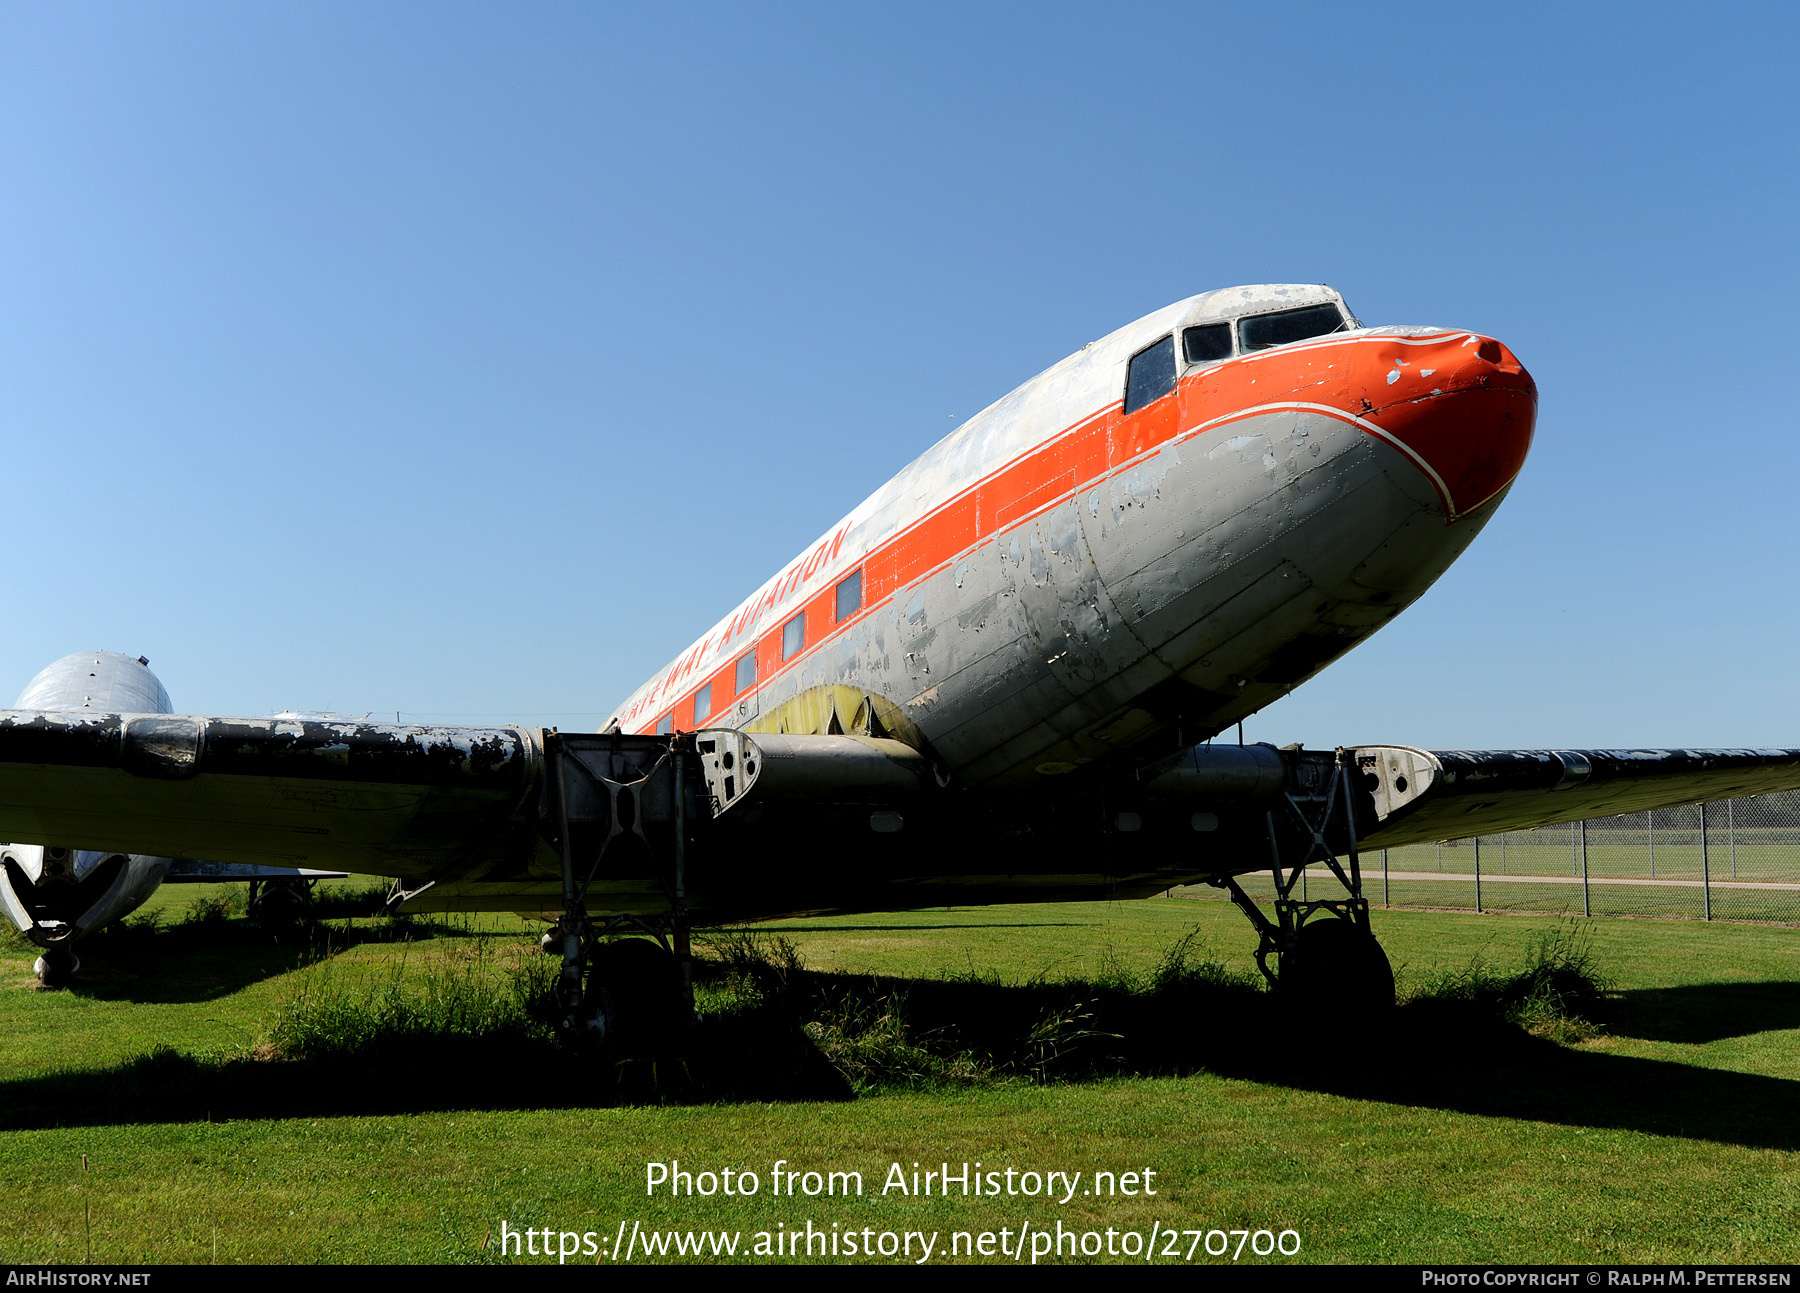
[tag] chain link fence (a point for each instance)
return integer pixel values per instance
(1738, 859)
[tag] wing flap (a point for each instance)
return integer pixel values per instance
(1426, 795)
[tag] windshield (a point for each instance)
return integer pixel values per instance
(1261, 331)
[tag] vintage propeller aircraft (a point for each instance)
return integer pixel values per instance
(998, 679)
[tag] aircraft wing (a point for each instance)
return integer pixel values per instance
(372, 798)
(1426, 795)
(469, 809)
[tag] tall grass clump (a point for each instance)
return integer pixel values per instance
(211, 910)
(351, 899)
(870, 1040)
(748, 970)
(467, 998)
(1560, 994)
(973, 1029)
(1188, 967)
(859, 1026)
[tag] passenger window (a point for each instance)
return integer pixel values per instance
(1261, 331)
(1151, 375)
(703, 704)
(793, 636)
(665, 724)
(849, 596)
(746, 671)
(1207, 342)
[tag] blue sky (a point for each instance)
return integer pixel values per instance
(470, 360)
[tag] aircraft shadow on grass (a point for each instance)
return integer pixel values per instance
(1531, 1078)
(811, 1036)
(1709, 1012)
(206, 960)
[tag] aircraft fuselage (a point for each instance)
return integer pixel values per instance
(1062, 585)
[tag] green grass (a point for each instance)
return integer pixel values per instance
(1669, 1134)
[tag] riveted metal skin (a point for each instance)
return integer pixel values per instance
(1059, 585)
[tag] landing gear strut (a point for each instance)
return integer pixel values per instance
(1327, 950)
(631, 993)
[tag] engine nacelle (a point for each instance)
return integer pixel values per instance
(55, 895)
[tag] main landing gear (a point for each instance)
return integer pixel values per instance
(634, 995)
(627, 992)
(1327, 953)
(280, 902)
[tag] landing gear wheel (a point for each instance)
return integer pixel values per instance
(278, 904)
(645, 1011)
(1336, 962)
(56, 967)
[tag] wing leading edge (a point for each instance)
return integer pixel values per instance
(367, 797)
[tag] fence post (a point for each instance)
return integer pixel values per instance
(1587, 907)
(1478, 874)
(1574, 851)
(1384, 878)
(1705, 867)
(1731, 833)
(1502, 852)
(1650, 826)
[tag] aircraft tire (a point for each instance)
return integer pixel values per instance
(56, 967)
(278, 904)
(645, 1012)
(1336, 963)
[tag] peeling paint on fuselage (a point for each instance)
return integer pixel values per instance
(1263, 531)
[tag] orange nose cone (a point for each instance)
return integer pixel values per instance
(1464, 415)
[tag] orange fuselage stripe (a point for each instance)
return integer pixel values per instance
(1334, 375)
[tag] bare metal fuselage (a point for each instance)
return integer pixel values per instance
(1059, 585)
(1061, 597)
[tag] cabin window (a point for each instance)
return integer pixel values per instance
(793, 636)
(703, 704)
(665, 724)
(849, 595)
(1260, 331)
(1207, 342)
(746, 671)
(1151, 376)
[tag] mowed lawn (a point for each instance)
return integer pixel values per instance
(1673, 1136)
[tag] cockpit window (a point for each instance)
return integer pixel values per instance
(1207, 342)
(1151, 375)
(1260, 331)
